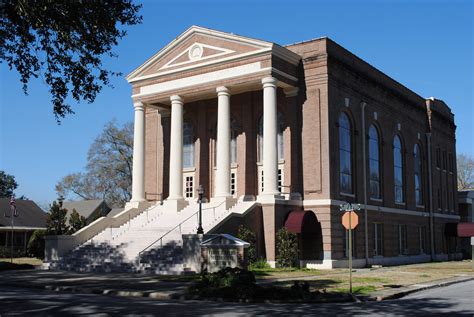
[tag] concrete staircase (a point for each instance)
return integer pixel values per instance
(151, 242)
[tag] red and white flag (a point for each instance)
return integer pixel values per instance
(13, 206)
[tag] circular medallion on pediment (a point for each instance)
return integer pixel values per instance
(195, 52)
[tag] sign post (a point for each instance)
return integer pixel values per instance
(350, 220)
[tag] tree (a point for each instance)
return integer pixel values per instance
(465, 167)
(7, 184)
(63, 42)
(248, 235)
(108, 174)
(56, 220)
(35, 246)
(76, 222)
(287, 248)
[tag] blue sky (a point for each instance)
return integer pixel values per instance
(425, 45)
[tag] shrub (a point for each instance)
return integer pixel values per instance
(229, 282)
(287, 248)
(249, 236)
(35, 246)
(260, 264)
(5, 252)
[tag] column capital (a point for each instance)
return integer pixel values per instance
(222, 90)
(177, 99)
(291, 92)
(138, 105)
(269, 82)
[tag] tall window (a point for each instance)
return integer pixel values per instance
(345, 154)
(422, 237)
(398, 169)
(280, 126)
(402, 239)
(438, 158)
(188, 145)
(378, 239)
(233, 141)
(418, 184)
(374, 163)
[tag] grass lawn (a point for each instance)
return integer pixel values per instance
(366, 281)
(19, 263)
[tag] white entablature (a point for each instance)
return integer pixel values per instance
(201, 59)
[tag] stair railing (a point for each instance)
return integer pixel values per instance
(160, 239)
(126, 226)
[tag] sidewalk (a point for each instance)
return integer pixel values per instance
(160, 287)
(403, 291)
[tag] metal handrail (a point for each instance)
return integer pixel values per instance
(171, 230)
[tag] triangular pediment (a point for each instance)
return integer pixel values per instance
(195, 48)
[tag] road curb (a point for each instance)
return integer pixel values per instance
(99, 291)
(403, 293)
(181, 296)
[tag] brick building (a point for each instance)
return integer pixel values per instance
(305, 126)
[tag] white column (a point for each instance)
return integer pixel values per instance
(223, 143)
(138, 176)
(176, 149)
(270, 132)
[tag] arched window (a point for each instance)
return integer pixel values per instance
(398, 169)
(233, 141)
(418, 184)
(374, 163)
(188, 145)
(280, 126)
(345, 154)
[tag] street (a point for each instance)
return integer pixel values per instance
(453, 300)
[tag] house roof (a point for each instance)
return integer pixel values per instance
(29, 214)
(84, 208)
(224, 240)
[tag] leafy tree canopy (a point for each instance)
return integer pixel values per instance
(64, 42)
(7, 184)
(465, 169)
(108, 174)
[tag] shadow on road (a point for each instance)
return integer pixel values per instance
(22, 301)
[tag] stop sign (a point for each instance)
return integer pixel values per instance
(354, 220)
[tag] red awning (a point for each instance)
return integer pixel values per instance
(465, 229)
(462, 230)
(301, 220)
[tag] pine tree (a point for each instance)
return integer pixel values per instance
(56, 220)
(76, 221)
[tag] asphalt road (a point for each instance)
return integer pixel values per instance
(454, 300)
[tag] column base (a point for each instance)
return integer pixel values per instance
(247, 198)
(269, 198)
(175, 204)
(140, 205)
(223, 202)
(296, 196)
